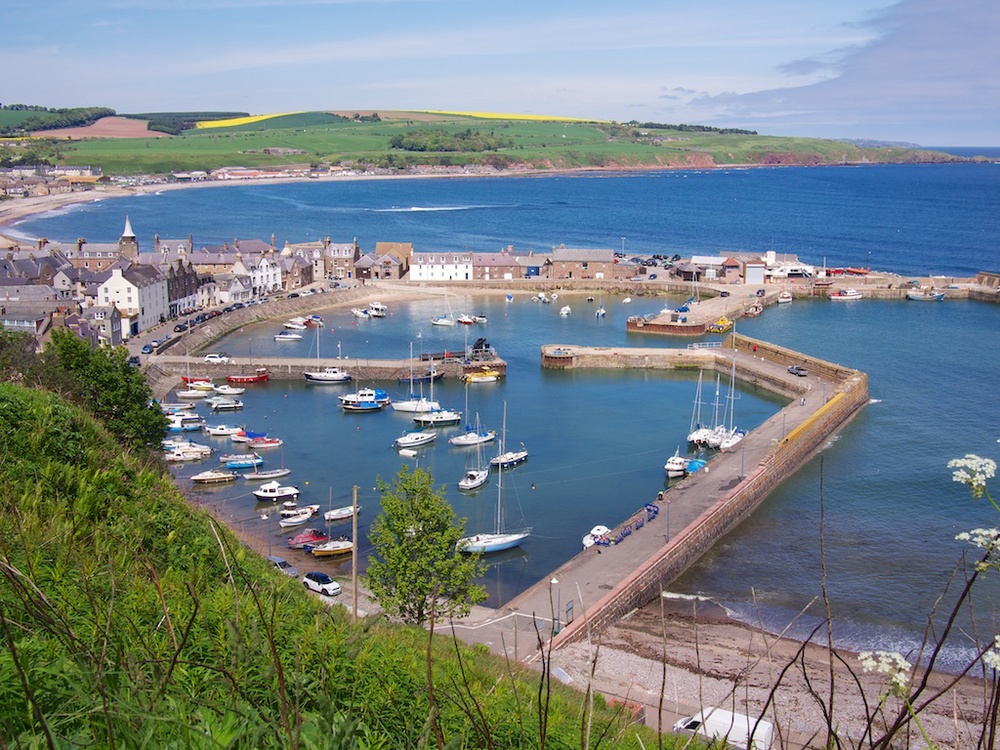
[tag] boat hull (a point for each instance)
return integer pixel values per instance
(485, 543)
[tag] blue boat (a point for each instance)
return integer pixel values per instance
(248, 462)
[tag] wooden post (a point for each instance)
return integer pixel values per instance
(354, 553)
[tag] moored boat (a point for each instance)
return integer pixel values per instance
(307, 536)
(340, 514)
(214, 476)
(929, 294)
(845, 295)
(332, 547)
(267, 474)
(259, 376)
(785, 297)
(414, 438)
(274, 490)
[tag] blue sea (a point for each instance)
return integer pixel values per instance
(598, 439)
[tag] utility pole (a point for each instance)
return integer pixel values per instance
(354, 553)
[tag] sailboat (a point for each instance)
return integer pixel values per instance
(472, 435)
(734, 434)
(327, 374)
(416, 404)
(437, 417)
(698, 432)
(506, 459)
(600, 306)
(444, 320)
(500, 539)
(477, 474)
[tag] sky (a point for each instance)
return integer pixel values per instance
(921, 72)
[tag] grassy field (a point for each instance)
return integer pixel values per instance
(320, 139)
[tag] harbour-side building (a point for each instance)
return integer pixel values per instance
(440, 266)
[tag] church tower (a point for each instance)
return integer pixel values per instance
(128, 245)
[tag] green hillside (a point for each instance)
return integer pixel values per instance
(131, 619)
(324, 139)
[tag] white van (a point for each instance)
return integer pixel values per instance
(738, 730)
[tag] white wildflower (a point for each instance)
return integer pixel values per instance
(982, 538)
(973, 471)
(891, 664)
(992, 657)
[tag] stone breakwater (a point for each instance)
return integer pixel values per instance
(701, 509)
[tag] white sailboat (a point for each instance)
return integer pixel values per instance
(698, 432)
(600, 306)
(327, 374)
(477, 474)
(500, 539)
(734, 434)
(444, 320)
(472, 435)
(416, 404)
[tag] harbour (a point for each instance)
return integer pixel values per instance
(595, 439)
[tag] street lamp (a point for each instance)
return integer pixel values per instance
(558, 623)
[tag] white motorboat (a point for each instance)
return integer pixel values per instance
(286, 336)
(474, 478)
(327, 375)
(222, 430)
(300, 517)
(214, 476)
(785, 297)
(296, 324)
(415, 438)
(438, 418)
(340, 514)
(377, 310)
(224, 389)
(845, 295)
(274, 490)
(266, 475)
(676, 465)
(565, 311)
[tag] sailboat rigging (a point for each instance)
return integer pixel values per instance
(500, 539)
(327, 374)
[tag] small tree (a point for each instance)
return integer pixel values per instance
(415, 538)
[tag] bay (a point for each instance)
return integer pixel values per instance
(598, 440)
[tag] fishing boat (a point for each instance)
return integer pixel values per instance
(259, 376)
(845, 295)
(785, 297)
(928, 294)
(364, 400)
(286, 336)
(214, 476)
(274, 490)
(267, 475)
(721, 325)
(753, 310)
(676, 465)
(360, 312)
(499, 539)
(480, 318)
(340, 514)
(415, 438)
(377, 310)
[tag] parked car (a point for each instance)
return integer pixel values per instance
(238, 305)
(180, 327)
(761, 292)
(134, 360)
(284, 566)
(321, 583)
(723, 293)
(147, 349)
(217, 358)
(798, 370)
(652, 276)
(293, 295)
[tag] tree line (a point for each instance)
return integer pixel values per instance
(45, 118)
(690, 128)
(442, 140)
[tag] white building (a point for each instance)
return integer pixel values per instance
(440, 266)
(140, 294)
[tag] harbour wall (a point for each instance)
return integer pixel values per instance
(845, 392)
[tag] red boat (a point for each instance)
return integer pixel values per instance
(858, 271)
(259, 376)
(263, 442)
(309, 536)
(196, 378)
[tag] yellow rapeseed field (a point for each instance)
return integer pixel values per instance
(234, 121)
(503, 116)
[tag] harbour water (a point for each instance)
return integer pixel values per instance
(598, 439)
